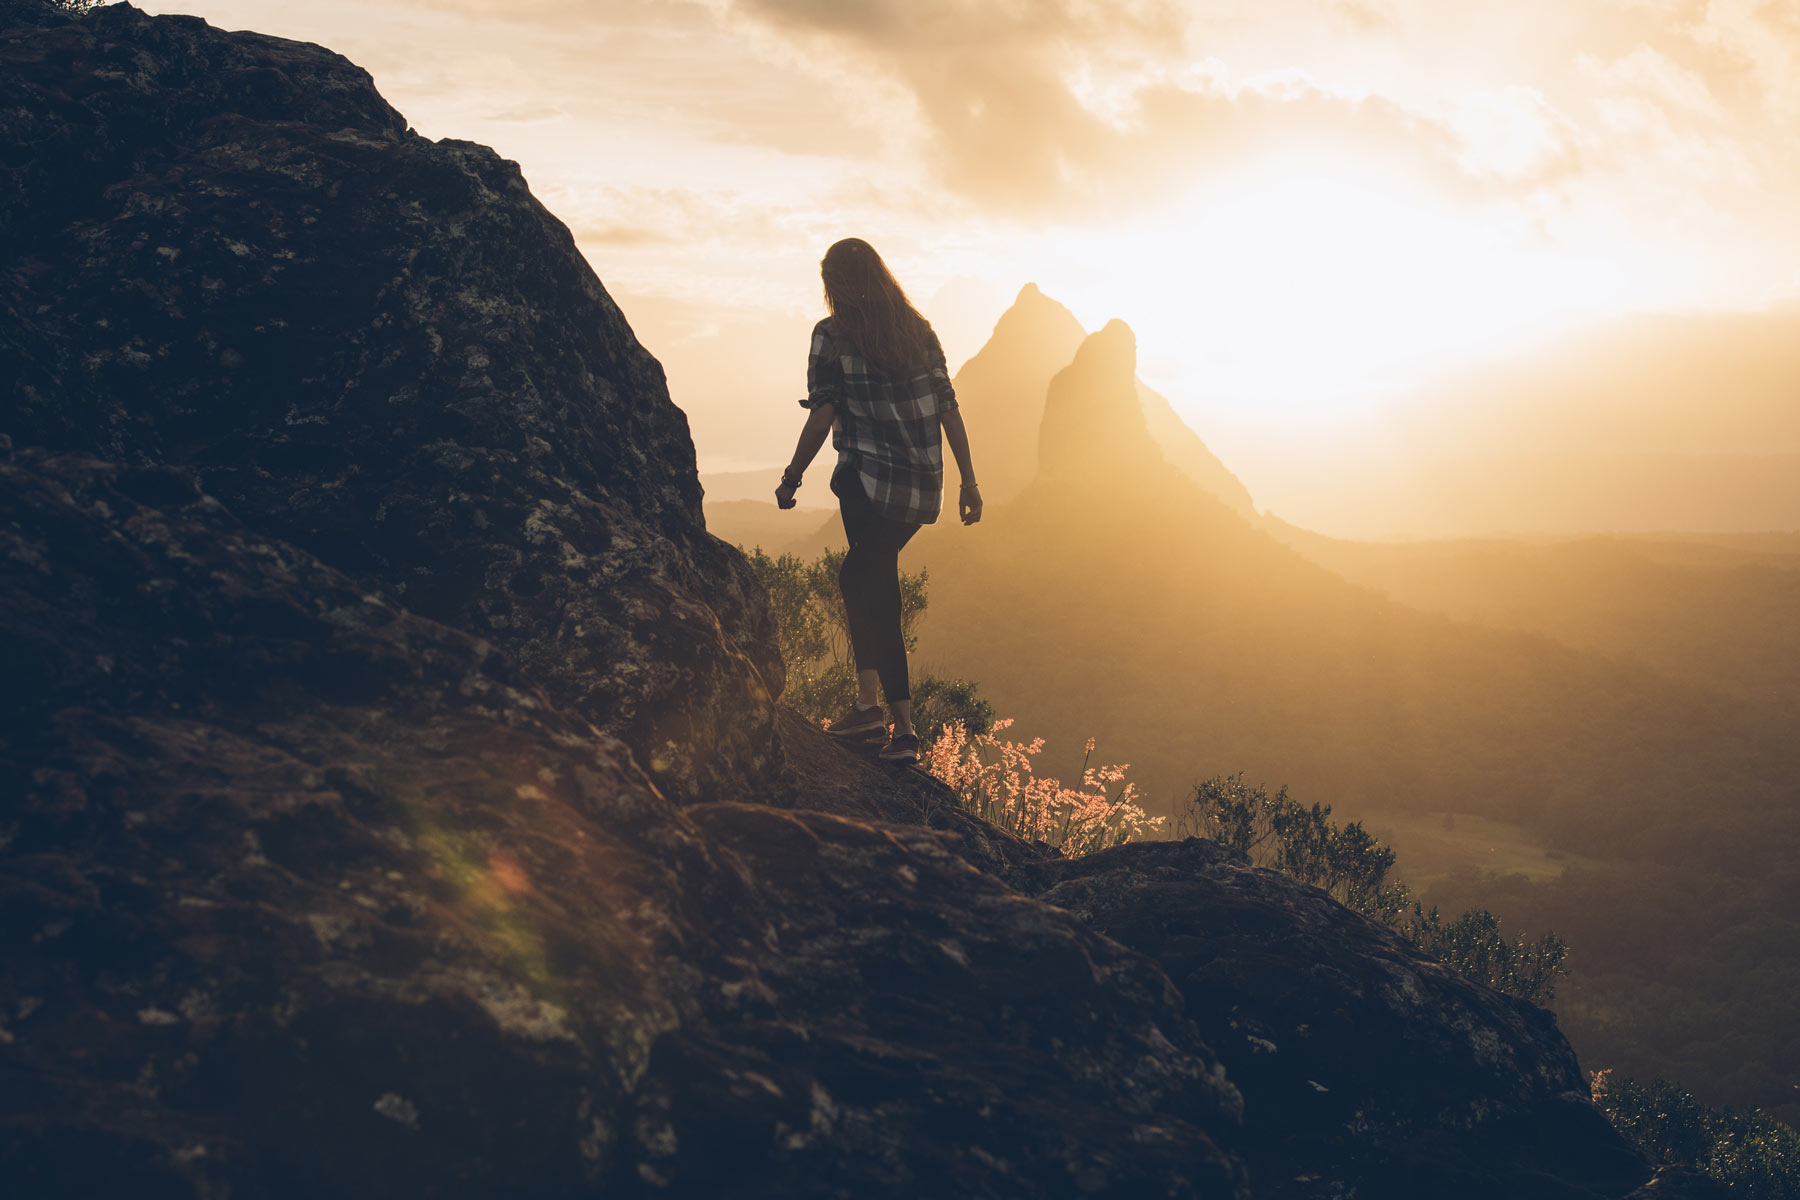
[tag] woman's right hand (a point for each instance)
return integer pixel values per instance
(784, 494)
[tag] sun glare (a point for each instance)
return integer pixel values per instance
(1304, 291)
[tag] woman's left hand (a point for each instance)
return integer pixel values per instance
(968, 505)
(784, 494)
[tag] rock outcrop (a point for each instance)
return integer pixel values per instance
(307, 895)
(1366, 1068)
(395, 799)
(228, 254)
(1093, 428)
(1004, 388)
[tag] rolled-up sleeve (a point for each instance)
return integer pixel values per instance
(824, 373)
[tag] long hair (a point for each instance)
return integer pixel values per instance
(870, 312)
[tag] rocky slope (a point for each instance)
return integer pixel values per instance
(397, 803)
(230, 254)
(309, 895)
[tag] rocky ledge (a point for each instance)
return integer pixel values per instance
(398, 798)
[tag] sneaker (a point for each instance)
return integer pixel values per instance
(901, 748)
(858, 722)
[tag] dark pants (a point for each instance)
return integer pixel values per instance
(871, 583)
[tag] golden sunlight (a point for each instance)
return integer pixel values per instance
(1301, 290)
(569, 566)
(1311, 221)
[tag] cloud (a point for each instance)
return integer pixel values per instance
(1746, 45)
(603, 233)
(527, 116)
(989, 81)
(950, 25)
(1514, 135)
(1765, 35)
(1646, 71)
(1065, 107)
(1364, 17)
(1487, 144)
(646, 216)
(1656, 111)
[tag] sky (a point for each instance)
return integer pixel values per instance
(1303, 207)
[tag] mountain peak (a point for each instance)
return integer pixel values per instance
(1002, 387)
(1093, 422)
(1037, 317)
(1115, 343)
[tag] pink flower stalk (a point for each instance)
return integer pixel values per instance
(993, 777)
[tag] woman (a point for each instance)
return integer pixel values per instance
(877, 380)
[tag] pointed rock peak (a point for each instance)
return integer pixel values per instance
(1035, 335)
(1002, 387)
(1093, 420)
(1031, 296)
(1103, 361)
(1033, 299)
(1112, 350)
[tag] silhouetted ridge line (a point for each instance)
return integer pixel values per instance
(1093, 428)
(1004, 389)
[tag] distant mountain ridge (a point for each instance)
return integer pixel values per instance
(737, 487)
(1003, 389)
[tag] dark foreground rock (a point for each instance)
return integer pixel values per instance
(394, 798)
(227, 253)
(1680, 1183)
(306, 895)
(1365, 1066)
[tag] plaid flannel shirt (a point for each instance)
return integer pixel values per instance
(888, 430)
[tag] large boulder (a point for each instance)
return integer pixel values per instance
(1367, 1067)
(226, 253)
(302, 894)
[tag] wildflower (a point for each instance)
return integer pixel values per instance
(994, 778)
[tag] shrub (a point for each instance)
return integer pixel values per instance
(994, 778)
(1278, 832)
(1474, 945)
(940, 703)
(1750, 1152)
(813, 634)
